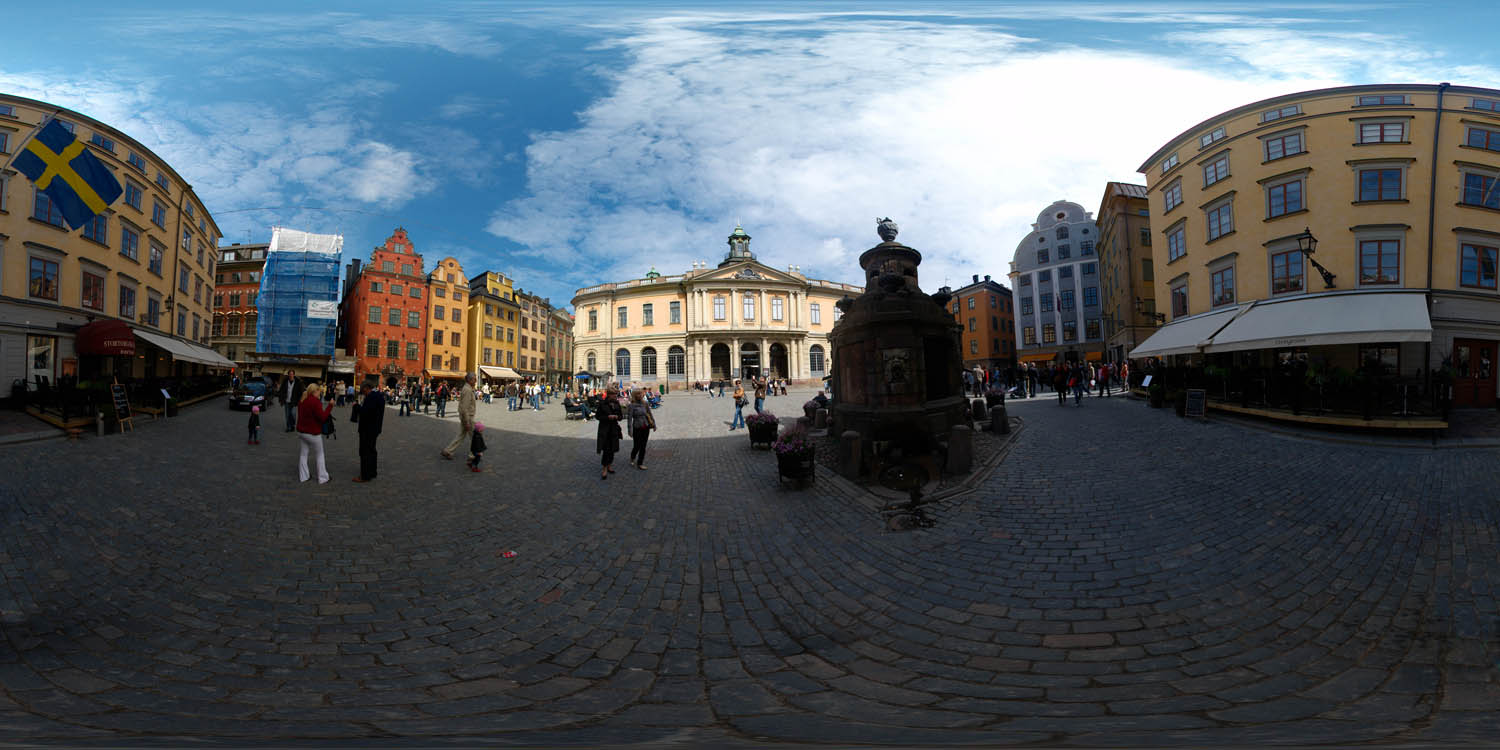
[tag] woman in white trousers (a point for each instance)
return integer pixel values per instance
(311, 414)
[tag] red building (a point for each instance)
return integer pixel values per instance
(383, 316)
(236, 284)
(987, 313)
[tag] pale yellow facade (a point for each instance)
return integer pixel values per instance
(447, 321)
(494, 320)
(1391, 180)
(148, 261)
(739, 318)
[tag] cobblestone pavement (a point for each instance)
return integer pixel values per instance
(1125, 577)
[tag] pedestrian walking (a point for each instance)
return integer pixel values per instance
(369, 413)
(1104, 372)
(760, 395)
(466, 406)
(476, 446)
(311, 414)
(1079, 382)
(290, 393)
(403, 397)
(739, 407)
(254, 426)
(607, 443)
(642, 422)
(1060, 384)
(442, 400)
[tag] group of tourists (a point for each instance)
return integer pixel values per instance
(715, 388)
(1064, 378)
(610, 412)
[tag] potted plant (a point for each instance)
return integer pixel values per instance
(1157, 395)
(762, 427)
(1179, 401)
(172, 406)
(794, 454)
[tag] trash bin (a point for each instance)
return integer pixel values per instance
(663, 388)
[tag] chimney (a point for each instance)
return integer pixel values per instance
(976, 278)
(986, 277)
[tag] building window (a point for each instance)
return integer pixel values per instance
(648, 362)
(457, 314)
(676, 360)
(43, 284)
(181, 321)
(1026, 279)
(1025, 305)
(1028, 335)
(182, 280)
(158, 214)
(157, 251)
(1044, 277)
(1041, 256)
(376, 287)
(1046, 302)
(837, 314)
(1176, 244)
(233, 325)
(1286, 272)
(749, 304)
(1172, 195)
(1477, 266)
(1277, 114)
(1086, 247)
(1382, 132)
(1168, 163)
(1091, 296)
(1179, 300)
(1062, 232)
(973, 324)
(1212, 137)
(416, 291)
(1380, 184)
(1216, 170)
(393, 317)
(775, 308)
(1049, 333)
(375, 314)
(1089, 269)
(622, 363)
(1145, 236)
(133, 195)
(388, 266)
(1070, 330)
(1379, 261)
(412, 350)
(1486, 139)
(414, 319)
(1486, 104)
(161, 181)
(44, 210)
(1066, 272)
(1378, 100)
(1146, 270)
(674, 312)
(592, 362)
(1222, 283)
(1284, 198)
(1283, 146)
(393, 349)
(438, 312)
(623, 314)
(153, 315)
(1064, 251)
(406, 269)
(1065, 299)
(437, 336)
(437, 360)
(1220, 220)
(136, 161)
(593, 320)
(648, 315)
(93, 291)
(97, 229)
(1091, 329)
(973, 346)
(1480, 190)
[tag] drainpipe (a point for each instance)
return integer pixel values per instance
(1431, 217)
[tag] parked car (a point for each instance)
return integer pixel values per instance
(251, 393)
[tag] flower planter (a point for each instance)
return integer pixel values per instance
(798, 467)
(761, 433)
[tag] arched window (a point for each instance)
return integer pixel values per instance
(593, 362)
(675, 361)
(815, 358)
(648, 362)
(1062, 233)
(622, 364)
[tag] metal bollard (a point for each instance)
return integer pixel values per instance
(849, 455)
(998, 420)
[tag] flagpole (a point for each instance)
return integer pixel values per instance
(21, 147)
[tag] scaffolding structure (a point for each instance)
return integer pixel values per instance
(298, 299)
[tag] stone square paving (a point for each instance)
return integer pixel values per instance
(1124, 577)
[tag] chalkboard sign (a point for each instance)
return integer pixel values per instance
(1197, 399)
(122, 406)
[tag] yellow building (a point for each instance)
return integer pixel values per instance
(494, 317)
(1126, 275)
(1396, 187)
(738, 319)
(144, 269)
(447, 308)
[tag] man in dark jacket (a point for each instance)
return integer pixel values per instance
(290, 393)
(371, 418)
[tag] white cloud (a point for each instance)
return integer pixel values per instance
(809, 128)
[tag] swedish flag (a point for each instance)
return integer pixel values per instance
(80, 185)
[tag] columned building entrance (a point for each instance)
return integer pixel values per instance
(778, 363)
(718, 362)
(749, 361)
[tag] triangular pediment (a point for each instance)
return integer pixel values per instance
(750, 270)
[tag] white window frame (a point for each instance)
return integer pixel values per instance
(815, 313)
(1212, 137)
(1265, 143)
(720, 308)
(1169, 163)
(747, 305)
(776, 308)
(1380, 126)
(1271, 115)
(1168, 193)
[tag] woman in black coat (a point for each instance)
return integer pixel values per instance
(608, 444)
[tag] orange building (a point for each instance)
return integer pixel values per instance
(448, 300)
(987, 313)
(236, 284)
(384, 311)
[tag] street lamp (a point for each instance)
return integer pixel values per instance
(1140, 309)
(1307, 243)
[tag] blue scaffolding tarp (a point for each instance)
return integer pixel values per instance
(298, 299)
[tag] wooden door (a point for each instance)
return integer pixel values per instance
(1474, 372)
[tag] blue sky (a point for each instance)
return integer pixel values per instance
(585, 142)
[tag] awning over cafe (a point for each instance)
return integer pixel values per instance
(1320, 320)
(1093, 357)
(1184, 336)
(108, 337)
(1038, 357)
(184, 351)
(499, 372)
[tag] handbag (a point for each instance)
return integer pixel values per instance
(354, 414)
(328, 426)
